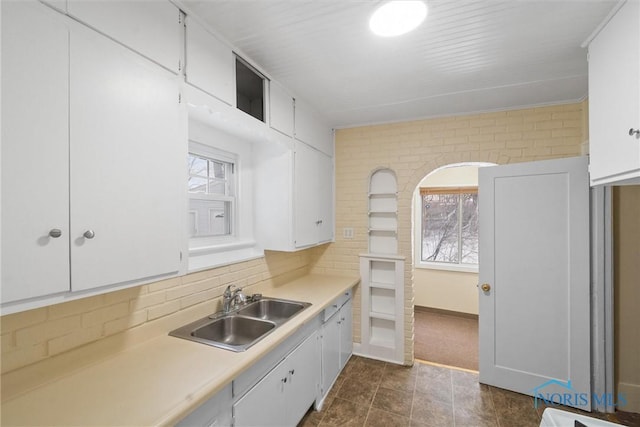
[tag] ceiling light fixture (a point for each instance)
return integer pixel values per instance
(397, 17)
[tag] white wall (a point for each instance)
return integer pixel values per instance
(446, 290)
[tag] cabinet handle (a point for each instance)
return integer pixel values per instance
(635, 132)
(293, 371)
(284, 380)
(55, 233)
(89, 234)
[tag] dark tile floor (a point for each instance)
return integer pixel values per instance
(374, 393)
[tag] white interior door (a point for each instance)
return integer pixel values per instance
(534, 256)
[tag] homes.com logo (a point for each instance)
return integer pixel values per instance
(571, 397)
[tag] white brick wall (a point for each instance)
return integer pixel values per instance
(414, 149)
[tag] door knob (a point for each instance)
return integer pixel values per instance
(89, 234)
(485, 287)
(55, 233)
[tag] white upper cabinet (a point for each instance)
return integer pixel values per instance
(209, 63)
(313, 196)
(61, 5)
(294, 195)
(92, 182)
(280, 109)
(614, 99)
(311, 128)
(151, 28)
(35, 151)
(126, 174)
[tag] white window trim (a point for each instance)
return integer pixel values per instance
(417, 238)
(217, 154)
(211, 252)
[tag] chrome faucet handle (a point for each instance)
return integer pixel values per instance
(227, 291)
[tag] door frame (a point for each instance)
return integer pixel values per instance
(602, 309)
(602, 337)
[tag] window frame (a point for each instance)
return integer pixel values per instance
(215, 154)
(419, 262)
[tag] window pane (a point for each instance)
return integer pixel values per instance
(218, 169)
(197, 185)
(209, 218)
(469, 229)
(217, 186)
(440, 228)
(197, 166)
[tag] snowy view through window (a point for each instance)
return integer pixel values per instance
(450, 228)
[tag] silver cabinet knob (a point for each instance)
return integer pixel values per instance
(55, 233)
(89, 234)
(635, 132)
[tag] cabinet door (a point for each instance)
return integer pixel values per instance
(330, 352)
(303, 371)
(614, 97)
(310, 128)
(325, 197)
(127, 177)
(263, 405)
(35, 151)
(306, 214)
(151, 28)
(280, 109)
(346, 333)
(210, 63)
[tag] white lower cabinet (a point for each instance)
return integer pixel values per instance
(346, 333)
(279, 389)
(214, 412)
(284, 395)
(337, 340)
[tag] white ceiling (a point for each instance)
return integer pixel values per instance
(469, 55)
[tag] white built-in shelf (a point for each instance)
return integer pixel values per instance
(382, 272)
(384, 213)
(383, 316)
(394, 194)
(383, 230)
(382, 285)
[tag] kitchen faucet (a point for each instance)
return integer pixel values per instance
(232, 299)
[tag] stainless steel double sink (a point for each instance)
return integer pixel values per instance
(243, 327)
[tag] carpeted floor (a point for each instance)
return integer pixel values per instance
(446, 338)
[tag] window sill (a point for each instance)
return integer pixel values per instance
(206, 257)
(447, 267)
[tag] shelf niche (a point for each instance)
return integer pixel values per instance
(382, 273)
(383, 212)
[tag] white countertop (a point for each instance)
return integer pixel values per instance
(157, 382)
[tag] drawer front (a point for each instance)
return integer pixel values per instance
(335, 305)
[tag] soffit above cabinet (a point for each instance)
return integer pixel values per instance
(468, 56)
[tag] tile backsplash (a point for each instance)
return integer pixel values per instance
(34, 335)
